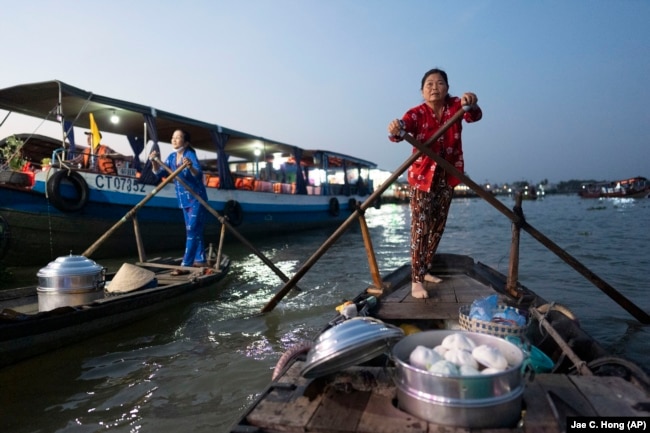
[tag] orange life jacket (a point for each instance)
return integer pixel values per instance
(105, 163)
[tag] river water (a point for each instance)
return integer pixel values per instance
(197, 366)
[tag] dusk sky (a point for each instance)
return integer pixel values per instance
(563, 84)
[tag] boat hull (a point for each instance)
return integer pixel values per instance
(34, 231)
(378, 396)
(636, 187)
(23, 336)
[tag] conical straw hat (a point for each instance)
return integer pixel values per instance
(128, 278)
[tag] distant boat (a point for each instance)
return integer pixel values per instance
(65, 196)
(528, 192)
(463, 191)
(593, 190)
(635, 187)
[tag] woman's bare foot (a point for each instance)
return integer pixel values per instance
(432, 278)
(418, 291)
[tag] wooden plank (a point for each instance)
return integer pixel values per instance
(564, 396)
(439, 293)
(610, 396)
(398, 295)
(456, 288)
(549, 399)
(282, 410)
(369, 394)
(287, 407)
(340, 410)
(468, 289)
(424, 309)
(447, 296)
(538, 414)
(381, 416)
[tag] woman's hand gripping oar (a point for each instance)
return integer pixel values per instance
(133, 211)
(225, 222)
(628, 305)
(376, 195)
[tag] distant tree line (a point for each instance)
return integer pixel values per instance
(572, 186)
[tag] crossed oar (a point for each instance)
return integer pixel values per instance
(131, 213)
(172, 175)
(376, 195)
(226, 224)
(610, 291)
(619, 298)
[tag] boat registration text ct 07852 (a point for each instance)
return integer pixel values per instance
(119, 184)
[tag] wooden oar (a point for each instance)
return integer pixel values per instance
(224, 222)
(130, 214)
(376, 195)
(619, 298)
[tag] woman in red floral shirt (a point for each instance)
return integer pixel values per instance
(431, 187)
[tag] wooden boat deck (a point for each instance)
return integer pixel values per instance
(344, 403)
(444, 300)
(364, 398)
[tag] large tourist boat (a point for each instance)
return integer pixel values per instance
(56, 194)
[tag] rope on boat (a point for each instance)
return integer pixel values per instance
(553, 306)
(291, 353)
(604, 366)
(581, 366)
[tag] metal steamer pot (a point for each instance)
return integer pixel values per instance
(69, 281)
(477, 401)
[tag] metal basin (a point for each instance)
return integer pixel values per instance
(352, 342)
(69, 281)
(478, 401)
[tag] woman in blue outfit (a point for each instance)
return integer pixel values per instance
(194, 213)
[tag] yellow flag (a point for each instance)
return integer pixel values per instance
(95, 131)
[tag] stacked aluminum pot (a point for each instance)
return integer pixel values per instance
(69, 281)
(475, 401)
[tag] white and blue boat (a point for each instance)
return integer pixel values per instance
(58, 196)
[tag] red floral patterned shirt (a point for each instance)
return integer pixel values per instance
(422, 124)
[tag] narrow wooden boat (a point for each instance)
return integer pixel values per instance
(557, 376)
(55, 193)
(38, 319)
(358, 374)
(583, 380)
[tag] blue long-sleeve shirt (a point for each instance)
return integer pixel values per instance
(185, 198)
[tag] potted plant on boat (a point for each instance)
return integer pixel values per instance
(46, 163)
(12, 163)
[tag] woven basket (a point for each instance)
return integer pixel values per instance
(491, 328)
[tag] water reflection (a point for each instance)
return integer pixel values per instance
(196, 366)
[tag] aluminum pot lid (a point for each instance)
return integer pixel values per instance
(70, 266)
(352, 342)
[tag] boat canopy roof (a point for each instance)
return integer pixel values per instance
(337, 159)
(55, 100)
